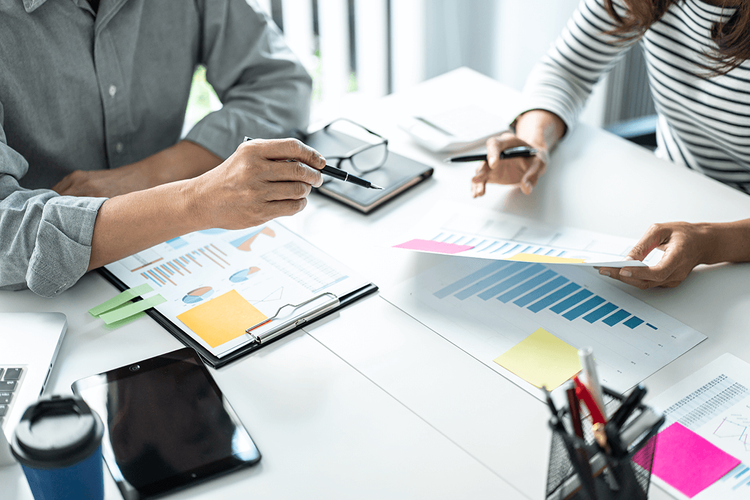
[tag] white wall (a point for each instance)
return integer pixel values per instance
(527, 28)
(500, 38)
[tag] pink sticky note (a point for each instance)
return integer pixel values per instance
(688, 462)
(434, 246)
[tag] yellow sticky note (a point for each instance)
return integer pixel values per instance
(545, 259)
(541, 359)
(222, 319)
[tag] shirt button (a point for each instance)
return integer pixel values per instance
(112, 90)
(119, 147)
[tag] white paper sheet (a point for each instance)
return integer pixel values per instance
(714, 402)
(486, 234)
(487, 307)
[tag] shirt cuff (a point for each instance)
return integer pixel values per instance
(63, 244)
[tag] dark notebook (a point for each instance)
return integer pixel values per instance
(397, 175)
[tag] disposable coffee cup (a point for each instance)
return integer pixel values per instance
(58, 444)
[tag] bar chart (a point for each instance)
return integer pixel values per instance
(168, 272)
(536, 288)
(467, 231)
(488, 307)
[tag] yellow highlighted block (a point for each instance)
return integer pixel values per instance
(541, 359)
(222, 319)
(545, 259)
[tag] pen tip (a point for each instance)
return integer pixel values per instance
(375, 186)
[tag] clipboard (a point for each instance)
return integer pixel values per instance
(282, 317)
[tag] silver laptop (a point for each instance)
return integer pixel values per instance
(29, 343)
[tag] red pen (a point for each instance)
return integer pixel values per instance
(597, 417)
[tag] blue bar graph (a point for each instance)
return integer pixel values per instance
(554, 297)
(742, 471)
(512, 249)
(600, 313)
(501, 247)
(468, 280)
(535, 287)
(491, 280)
(571, 301)
(583, 308)
(633, 322)
(541, 291)
(528, 285)
(512, 281)
(616, 317)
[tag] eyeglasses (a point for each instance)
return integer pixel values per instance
(363, 159)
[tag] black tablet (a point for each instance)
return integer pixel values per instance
(167, 425)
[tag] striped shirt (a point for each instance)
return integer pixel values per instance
(703, 118)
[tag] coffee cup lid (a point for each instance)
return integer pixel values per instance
(57, 432)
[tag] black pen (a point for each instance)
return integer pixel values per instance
(555, 421)
(517, 152)
(342, 175)
(628, 406)
(347, 177)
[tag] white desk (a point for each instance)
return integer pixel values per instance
(372, 404)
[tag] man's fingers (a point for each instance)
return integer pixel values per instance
(283, 208)
(288, 149)
(279, 191)
(285, 171)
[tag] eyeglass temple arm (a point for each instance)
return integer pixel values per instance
(357, 124)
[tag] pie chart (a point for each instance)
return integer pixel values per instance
(198, 295)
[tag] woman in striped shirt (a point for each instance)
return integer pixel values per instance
(697, 55)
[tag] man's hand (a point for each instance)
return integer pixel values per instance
(184, 160)
(262, 180)
(102, 183)
(523, 172)
(685, 246)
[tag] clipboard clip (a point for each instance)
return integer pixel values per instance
(332, 301)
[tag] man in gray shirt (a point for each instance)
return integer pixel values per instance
(92, 101)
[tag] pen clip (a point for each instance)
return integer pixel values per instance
(258, 339)
(597, 417)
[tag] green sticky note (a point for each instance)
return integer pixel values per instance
(123, 322)
(130, 309)
(120, 299)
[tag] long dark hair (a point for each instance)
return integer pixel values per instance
(731, 37)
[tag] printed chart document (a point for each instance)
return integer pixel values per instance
(527, 320)
(218, 283)
(456, 229)
(713, 403)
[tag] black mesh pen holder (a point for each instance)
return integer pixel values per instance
(580, 469)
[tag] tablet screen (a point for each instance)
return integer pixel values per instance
(167, 424)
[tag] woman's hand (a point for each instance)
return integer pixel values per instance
(523, 172)
(685, 246)
(538, 129)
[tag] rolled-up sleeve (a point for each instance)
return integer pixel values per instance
(46, 238)
(264, 89)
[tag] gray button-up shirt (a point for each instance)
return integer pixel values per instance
(86, 91)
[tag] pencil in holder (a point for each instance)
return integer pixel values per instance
(582, 469)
